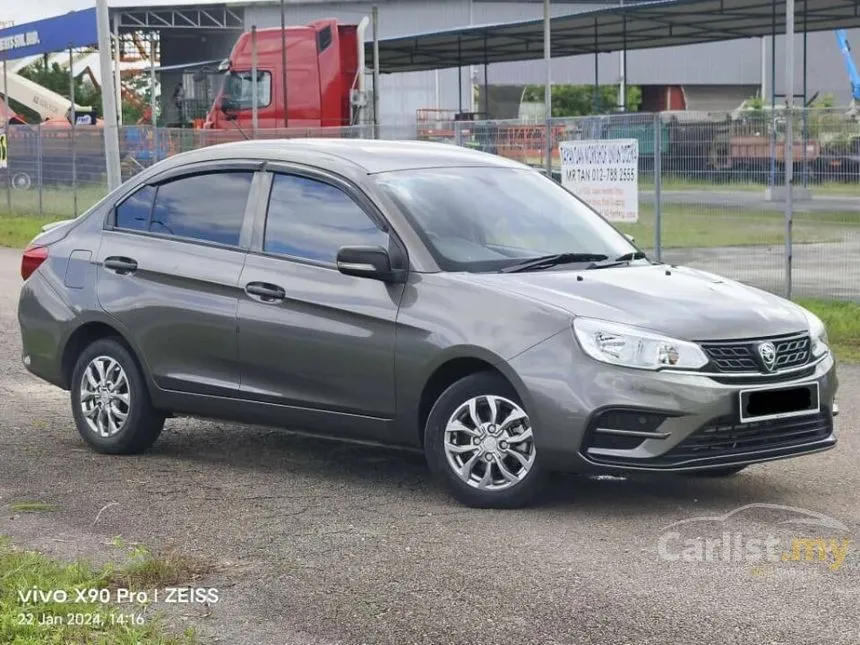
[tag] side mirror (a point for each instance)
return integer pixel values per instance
(368, 262)
(630, 237)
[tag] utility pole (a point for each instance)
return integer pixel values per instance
(109, 104)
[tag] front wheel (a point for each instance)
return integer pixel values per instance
(479, 442)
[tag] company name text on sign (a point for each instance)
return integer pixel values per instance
(604, 174)
(27, 39)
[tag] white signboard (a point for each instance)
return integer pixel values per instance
(604, 174)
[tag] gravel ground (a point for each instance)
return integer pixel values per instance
(320, 542)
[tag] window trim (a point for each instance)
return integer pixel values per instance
(320, 47)
(187, 171)
(396, 248)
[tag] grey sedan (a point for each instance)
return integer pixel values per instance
(418, 295)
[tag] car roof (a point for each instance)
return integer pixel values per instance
(370, 155)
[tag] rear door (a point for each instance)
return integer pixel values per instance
(169, 274)
(323, 340)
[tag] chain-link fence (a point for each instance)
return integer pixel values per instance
(710, 186)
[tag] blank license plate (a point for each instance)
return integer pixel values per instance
(775, 403)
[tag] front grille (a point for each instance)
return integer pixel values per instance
(744, 356)
(725, 437)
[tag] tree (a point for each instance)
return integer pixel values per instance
(579, 100)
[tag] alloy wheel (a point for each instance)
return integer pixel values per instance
(105, 396)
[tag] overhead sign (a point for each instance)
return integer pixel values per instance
(73, 29)
(604, 174)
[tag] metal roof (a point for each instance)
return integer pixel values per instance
(662, 23)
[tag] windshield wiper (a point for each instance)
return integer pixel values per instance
(619, 261)
(546, 261)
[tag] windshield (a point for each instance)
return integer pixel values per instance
(238, 90)
(487, 218)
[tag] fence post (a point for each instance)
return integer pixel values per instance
(254, 81)
(73, 117)
(153, 119)
(6, 130)
(74, 169)
(375, 27)
(40, 160)
(789, 196)
(658, 180)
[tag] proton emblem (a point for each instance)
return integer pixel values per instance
(767, 351)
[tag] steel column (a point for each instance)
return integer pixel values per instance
(789, 140)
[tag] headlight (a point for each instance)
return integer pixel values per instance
(817, 332)
(619, 344)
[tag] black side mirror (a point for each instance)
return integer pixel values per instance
(368, 262)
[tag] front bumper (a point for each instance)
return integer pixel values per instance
(589, 416)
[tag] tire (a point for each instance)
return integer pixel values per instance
(483, 490)
(139, 429)
(717, 472)
(20, 181)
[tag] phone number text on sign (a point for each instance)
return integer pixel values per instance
(604, 174)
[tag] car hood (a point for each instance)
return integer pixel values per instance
(678, 301)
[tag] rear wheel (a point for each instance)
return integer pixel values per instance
(110, 401)
(479, 442)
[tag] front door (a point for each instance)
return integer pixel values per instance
(311, 338)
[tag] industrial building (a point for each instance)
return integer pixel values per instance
(703, 77)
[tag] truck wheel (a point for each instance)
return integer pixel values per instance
(21, 181)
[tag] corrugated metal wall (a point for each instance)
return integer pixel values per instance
(728, 63)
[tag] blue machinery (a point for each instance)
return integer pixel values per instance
(850, 66)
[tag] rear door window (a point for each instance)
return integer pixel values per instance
(133, 213)
(208, 207)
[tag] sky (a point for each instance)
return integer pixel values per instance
(22, 11)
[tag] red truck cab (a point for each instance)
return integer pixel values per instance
(323, 63)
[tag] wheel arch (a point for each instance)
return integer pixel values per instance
(86, 334)
(455, 365)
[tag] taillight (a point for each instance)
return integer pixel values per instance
(32, 260)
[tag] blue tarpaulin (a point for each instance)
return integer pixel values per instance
(74, 29)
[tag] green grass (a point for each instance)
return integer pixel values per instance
(702, 226)
(23, 621)
(31, 507)
(835, 188)
(842, 320)
(18, 230)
